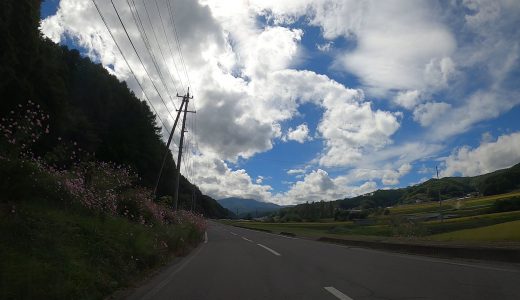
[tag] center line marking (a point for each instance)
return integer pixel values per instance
(247, 239)
(205, 237)
(337, 293)
(270, 250)
(233, 233)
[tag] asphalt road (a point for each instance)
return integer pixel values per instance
(238, 263)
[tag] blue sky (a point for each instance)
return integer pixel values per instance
(321, 99)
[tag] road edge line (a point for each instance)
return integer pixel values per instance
(337, 293)
(270, 250)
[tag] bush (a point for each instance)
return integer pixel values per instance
(404, 227)
(291, 217)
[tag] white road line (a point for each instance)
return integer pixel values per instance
(270, 250)
(337, 293)
(205, 237)
(233, 233)
(246, 239)
(270, 233)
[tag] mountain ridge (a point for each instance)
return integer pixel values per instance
(243, 206)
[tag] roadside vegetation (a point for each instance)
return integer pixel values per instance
(79, 155)
(75, 227)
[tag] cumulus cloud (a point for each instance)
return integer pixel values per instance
(247, 81)
(488, 157)
(388, 176)
(299, 134)
(316, 186)
(450, 49)
(392, 53)
(219, 181)
(407, 99)
(351, 129)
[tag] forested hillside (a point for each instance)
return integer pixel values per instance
(87, 107)
(498, 182)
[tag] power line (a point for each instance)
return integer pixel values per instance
(169, 44)
(159, 45)
(129, 67)
(170, 10)
(139, 57)
(142, 33)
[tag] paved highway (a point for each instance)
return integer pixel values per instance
(238, 263)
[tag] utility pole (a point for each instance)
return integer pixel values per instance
(193, 196)
(439, 193)
(185, 99)
(167, 149)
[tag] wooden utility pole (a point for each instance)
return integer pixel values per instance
(439, 191)
(193, 197)
(167, 149)
(185, 99)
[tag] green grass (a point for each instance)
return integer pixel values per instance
(509, 231)
(449, 204)
(436, 227)
(62, 252)
(402, 228)
(317, 229)
(471, 214)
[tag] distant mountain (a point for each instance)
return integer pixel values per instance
(498, 182)
(245, 206)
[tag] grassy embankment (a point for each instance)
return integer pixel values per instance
(62, 239)
(55, 252)
(471, 220)
(509, 231)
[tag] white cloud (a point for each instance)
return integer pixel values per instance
(400, 51)
(480, 106)
(245, 87)
(351, 130)
(316, 186)
(407, 99)
(388, 176)
(487, 157)
(349, 125)
(299, 134)
(326, 47)
(218, 180)
(428, 113)
(296, 171)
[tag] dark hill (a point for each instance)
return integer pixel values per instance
(497, 182)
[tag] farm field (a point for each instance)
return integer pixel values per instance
(472, 219)
(509, 231)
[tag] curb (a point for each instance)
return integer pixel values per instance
(480, 253)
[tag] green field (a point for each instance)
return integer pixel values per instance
(450, 204)
(509, 231)
(466, 216)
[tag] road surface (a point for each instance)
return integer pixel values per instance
(237, 263)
